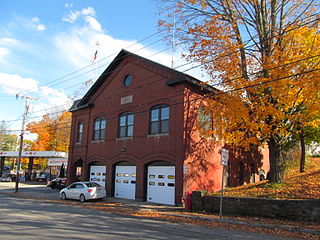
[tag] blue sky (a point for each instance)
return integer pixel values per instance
(46, 49)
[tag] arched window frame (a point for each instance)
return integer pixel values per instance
(126, 123)
(159, 119)
(99, 129)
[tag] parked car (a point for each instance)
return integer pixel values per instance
(41, 177)
(83, 191)
(5, 178)
(58, 183)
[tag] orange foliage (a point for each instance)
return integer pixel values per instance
(53, 133)
(265, 56)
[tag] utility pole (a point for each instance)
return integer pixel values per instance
(26, 108)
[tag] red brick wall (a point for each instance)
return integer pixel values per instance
(196, 159)
(148, 89)
(202, 168)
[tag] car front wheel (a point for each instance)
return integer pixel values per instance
(63, 196)
(82, 198)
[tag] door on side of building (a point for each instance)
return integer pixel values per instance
(125, 182)
(161, 184)
(98, 174)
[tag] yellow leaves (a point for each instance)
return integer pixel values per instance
(295, 186)
(272, 82)
(53, 133)
(314, 123)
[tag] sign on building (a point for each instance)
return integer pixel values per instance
(52, 162)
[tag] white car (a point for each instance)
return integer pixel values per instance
(83, 191)
(5, 179)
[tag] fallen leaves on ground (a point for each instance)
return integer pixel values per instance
(296, 185)
(183, 217)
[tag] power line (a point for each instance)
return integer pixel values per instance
(95, 63)
(202, 97)
(149, 36)
(90, 65)
(257, 73)
(180, 65)
(151, 44)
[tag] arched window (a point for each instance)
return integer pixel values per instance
(159, 119)
(99, 129)
(126, 124)
(79, 132)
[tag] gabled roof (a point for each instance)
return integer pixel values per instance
(181, 78)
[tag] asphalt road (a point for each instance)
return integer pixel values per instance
(35, 219)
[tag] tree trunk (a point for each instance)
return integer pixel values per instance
(30, 167)
(276, 161)
(1, 165)
(303, 152)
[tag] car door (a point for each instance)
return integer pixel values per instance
(79, 189)
(71, 192)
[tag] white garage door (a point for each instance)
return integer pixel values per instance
(98, 174)
(161, 184)
(125, 182)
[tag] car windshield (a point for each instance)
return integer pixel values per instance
(92, 184)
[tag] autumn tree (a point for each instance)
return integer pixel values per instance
(305, 136)
(53, 132)
(8, 141)
(264, 55)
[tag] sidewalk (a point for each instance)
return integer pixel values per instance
(302, 230)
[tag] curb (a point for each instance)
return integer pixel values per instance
(261, 225)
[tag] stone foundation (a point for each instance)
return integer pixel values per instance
(300, 210)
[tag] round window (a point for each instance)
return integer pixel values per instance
(127, 80)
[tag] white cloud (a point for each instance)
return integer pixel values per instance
(41, 27)
(35, 19)
(35, 24)
(72, 16)
(94, 24)
(87, 15)
(50, 101)
(27, 23)
(68, 5)
(38, 25)
(55, 97)
(88, 11)
(3, 53)
(77, 47)
(9, 42)
(12, 83)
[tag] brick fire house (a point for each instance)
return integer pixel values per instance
(136, 132)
